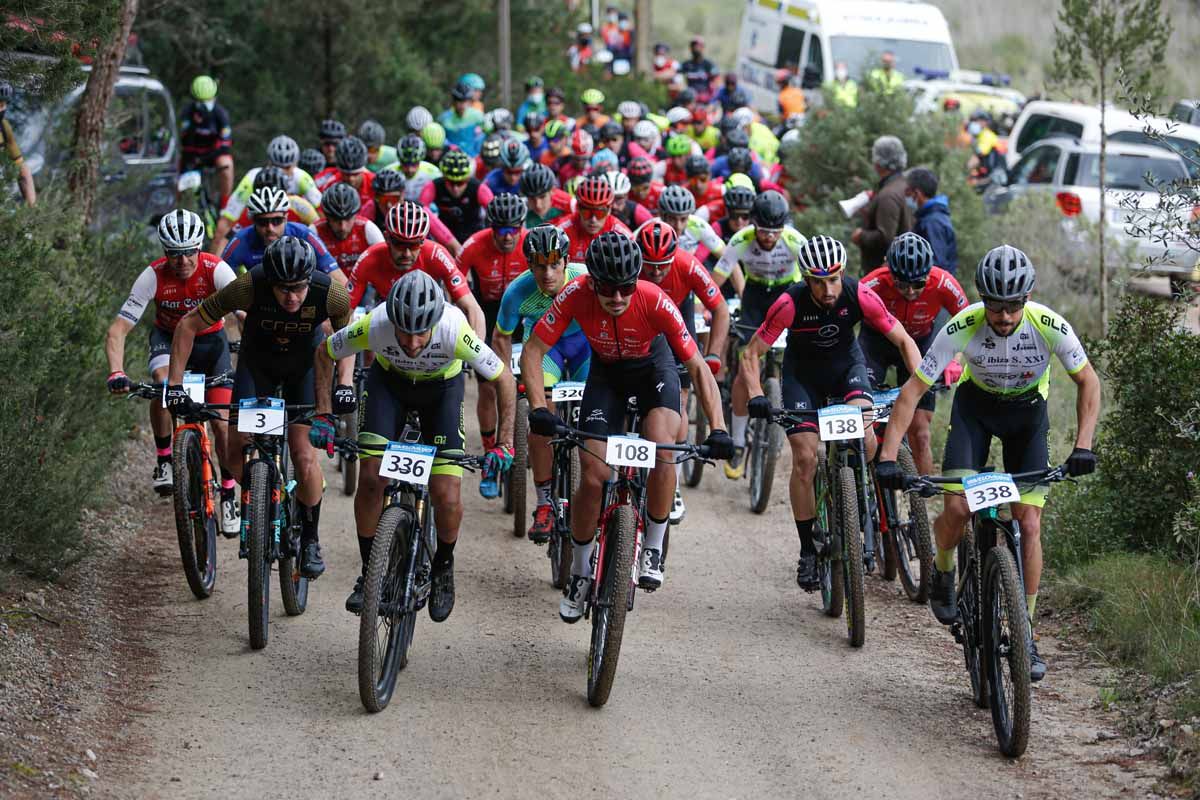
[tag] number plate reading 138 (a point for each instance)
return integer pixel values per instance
(259, 417)
(630, 451)
(840, 422)
(567, 391)
(989, 489)
(410, 463)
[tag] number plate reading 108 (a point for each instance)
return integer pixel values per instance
(567, 391)
(989, 489)
(840, 422)
(262, 418)
(630, 451)
(410, 463)
(516, 359)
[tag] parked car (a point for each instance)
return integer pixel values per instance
(1187, 111)
(966, 91)
(1070, 170)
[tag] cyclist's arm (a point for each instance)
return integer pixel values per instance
(779, 318)
(710, 297)
(442, 235)
(306, 187)
(531, 367)
(337, 305)
(490, 367)
(360, 279)
(25, 181)
(728, 264)
(748, 364)
(907, 347)
(340, 347)
(706, 391)
(140, 297)
(374, 235)
(876, 315)
(902, 414)
(708, 237)
(1087, 404)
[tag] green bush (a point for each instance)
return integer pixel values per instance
(60, 431)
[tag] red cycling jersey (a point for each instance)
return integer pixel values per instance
(561, 200)
(622, 338)
(375, 267)
(580, 240)
(917, 317)
(493, 270)
(649, 201)
(346, 251)
(172, 297)
(331, 175)
(674, 175)
(327, 177)
(686, 276)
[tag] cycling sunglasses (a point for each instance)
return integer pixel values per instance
(292, 288)
(262, 222)
(507, 230)
(405, 244)
(1003, 306)
(188, 253)
(911, 286)
(547, 259)
(606, 289)
(594, 212)
(739, 217)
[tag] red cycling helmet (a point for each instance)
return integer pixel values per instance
(595, 191)
(640, 170)
(581, 143)
(408, 221)
(658, 242)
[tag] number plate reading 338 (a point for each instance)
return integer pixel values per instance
(410, 463)
(630, 451)
(840, 422)
(990, 489)
(258, 417)
(567, 392)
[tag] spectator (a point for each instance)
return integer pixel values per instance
(580, 53)
(791, 98)
(556, 103)
(932, 217)
(699, 72)
(665, 67)
(610, 31)
(724, 96)
(885, 78)
(535, 99)
(887, 215)
(843, 90)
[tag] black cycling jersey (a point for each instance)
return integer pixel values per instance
(462, 215)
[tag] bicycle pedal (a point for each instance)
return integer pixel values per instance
(956, 630)
(243, 552)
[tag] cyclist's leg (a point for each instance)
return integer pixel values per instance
(225, 173)
(161, 424)
(381, 418)
(854, 386)
(658, 397)
(541, 455)
(756, 301)
(803, 442)
(210, 356)
(919, 439)
(968, 440)
(601, 411)
(439, 406)
(1026, 448)
(485, 404)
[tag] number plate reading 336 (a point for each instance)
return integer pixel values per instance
(262, 418)
(840, 422)
(989, 489)
(630, 451)
(567, 392)
(410, 463)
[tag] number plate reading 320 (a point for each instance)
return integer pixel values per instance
(262, 418)
(567, 391)
(989, 489)
(630, 451)
(410, 463)
(840, 422)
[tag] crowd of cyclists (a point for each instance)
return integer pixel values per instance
(587, 240)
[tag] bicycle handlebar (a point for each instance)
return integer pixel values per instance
(930, 485)
(350, 449)
(564, 433)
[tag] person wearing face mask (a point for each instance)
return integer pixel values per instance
(580, 53)
(8, 143)
(535, 99)
(665, 67)
(207, 134)
(699, 72)
(986, 152)
(931, 212)
(610, 31)
(843, 90)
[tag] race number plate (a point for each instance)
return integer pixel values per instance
(516, 359)
(701, 324)
(883, 403)
(989, 489)
(193, 384)
(262, 417)
(630, 451)
(410, 463)
(567, 391)
(840, 422)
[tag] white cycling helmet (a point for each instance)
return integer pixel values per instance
(744, 116)
(629, 109)
(180, 231)
(645, 129)
(678, 114)
(267, 200)
(619, 182)
(418, 117)
(283, 151)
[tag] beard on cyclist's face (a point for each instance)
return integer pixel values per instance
(341, 227)
(183, 265)
(655, 273)
(413, 343)
(404, 255)
(767, 239)
(355, 179)
(506, 243)
(329, 150)
(1003, 322)
(825, 291)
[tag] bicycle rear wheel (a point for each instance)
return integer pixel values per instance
(385, 628)
(293, 586)
(559, 547)
(912, 536)
(829, 553)
(693, 470)
(969, 616)
(519, 474)
(1006, 637)
(258, 583)
(768, 441)
(195, 528)
(852, 557)
(610, 604)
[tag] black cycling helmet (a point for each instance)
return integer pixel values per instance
(341, 201)
(415, 303)
(739, 198)
(372, 133)
(613, 258)
(311, 161)
(533, 120)
(271, 176)
(461, 92)
(544, 240)
(727, 124)
(289, 259)
(737, 99)
(351, 155)
(411, 149)
(697, 165)
(740, 160)
(910, 257)
(1005, 273)
(685, 97)
(611, 130)
(507, 211)
(536, 180)
(388, 181)
(770, 211)
(332, 129)
(737, 138)
(677, 201)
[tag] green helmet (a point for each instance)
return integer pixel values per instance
(204, 88)
(679, 146)
(456, 165)
(592, 97)
(434, 136)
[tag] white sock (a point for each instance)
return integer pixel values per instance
(738, 431)
(655, 532)
(543, 493)
(581, 558)
(678, 469)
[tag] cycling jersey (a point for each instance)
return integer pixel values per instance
(466, 132)
(172, 297)
(386, 158)
(776, 266)
(245, 249)
(463, 214)
(561, 204)
(649, 200)
(414, 184)
(818, 332)
(346, 251)
(298, 182)
(331, 175)
(627, 337)
(299, 210)
(375, 267)
(634, 215)
(492, 269)
(204, 131)
(1005, 365)
(687, 276)
(327, 177)
(498, 183)
(580, 240)
(453, 342)
(917, 316)
(524, 302)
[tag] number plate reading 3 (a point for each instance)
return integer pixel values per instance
(630, 451)
(516, 359)
(567, 391)
(410, 463)
(840, 422)
(193, 384)
(262, 418)
(989, 489)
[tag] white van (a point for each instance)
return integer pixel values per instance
(817, 33)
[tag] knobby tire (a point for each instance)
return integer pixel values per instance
(195, 529)
(1006, 637)
(387, 573)
(612, 603)
(258, 581)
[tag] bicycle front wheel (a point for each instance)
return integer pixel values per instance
(293, 586)
(194, 525)
(258, 582)
(385, 627)
(768, 441)
(852, 557)
(912, 537)
(514, 501)
(610, 604)
(829, 554)
(693, 470)
(1006, 637)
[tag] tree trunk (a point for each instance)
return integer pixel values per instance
(1103, 198)
(642, 32)
(93, 107)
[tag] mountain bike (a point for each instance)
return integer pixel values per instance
(993, 623)
(195, 192)
(564, 480)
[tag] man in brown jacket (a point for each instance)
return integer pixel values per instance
(887, 215)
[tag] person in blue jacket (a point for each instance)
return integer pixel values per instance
(931, 213)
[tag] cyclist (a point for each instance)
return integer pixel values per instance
(491, 259)
(534, 124)
(286, 302)
(701, 185)
(632, 327)
(343, 232)
(299, 209)
(177, 283)
(489, 155)
(311, 161)
(643, 189)
(681, 276)
(514, 160)
(434, 137)
(914, 291)
(462, 123)
(822, 360)
(632, 214)
(406, 247)
(649, 137)
(379, 155)
(556, 101)
(535, 98)
(420, 342)
(282, 152)
(558, 144)
(677, 208)
(460, 198)
(206, 134)
(739, 200)
(672, 170)
(349, 166)
(330, 133)
(578, 161)
(390, 189)
(268, 208)
(593, 115)
(546, 201)
(1007, 342)
(593, 216)
(525, 300)
(417, 172)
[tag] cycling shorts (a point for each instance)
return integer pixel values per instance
(387, 400)
(652, 380)
(808, 385)
(210, 356)
(880, 354)
(293, 376)
(1021, 423)
(208, 158)
(569, 359)
(757, 299)
(688, 309)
